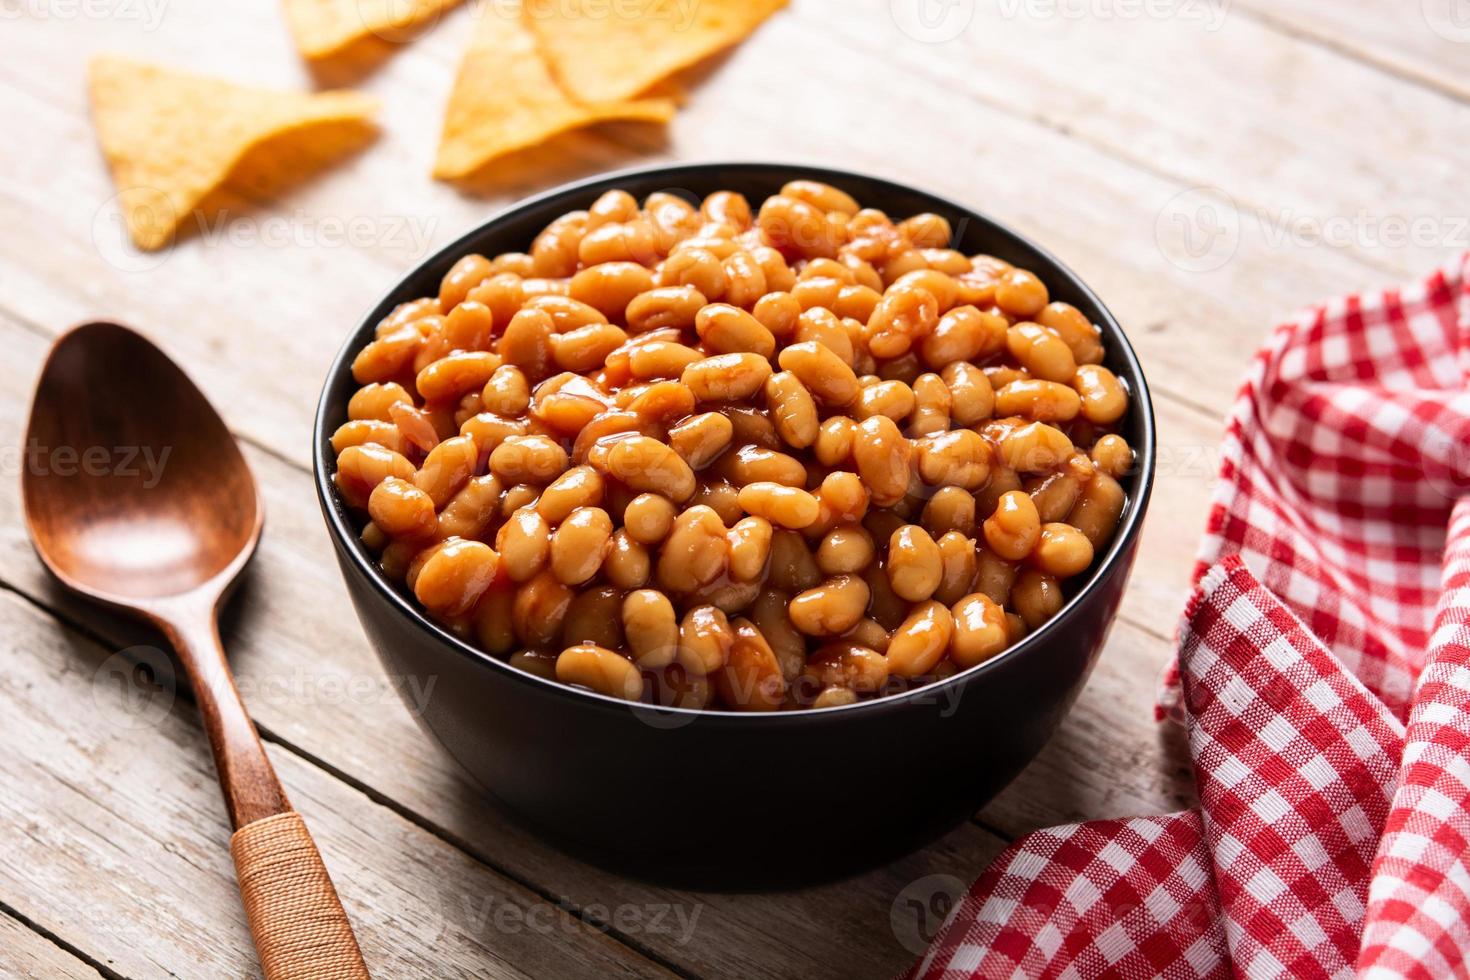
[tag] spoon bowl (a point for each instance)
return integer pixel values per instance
(134, 488)
(137, 495)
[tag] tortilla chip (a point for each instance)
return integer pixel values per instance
(505, 99)
(603, 50)
(325, 28)
(172, 138)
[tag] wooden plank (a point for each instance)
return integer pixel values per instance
(118, 844)
(1423, 42)
(28, 954)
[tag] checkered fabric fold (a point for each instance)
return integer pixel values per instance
(1323, 673)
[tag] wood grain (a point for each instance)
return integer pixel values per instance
(1082, 132)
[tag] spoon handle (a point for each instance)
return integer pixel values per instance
(300, 929)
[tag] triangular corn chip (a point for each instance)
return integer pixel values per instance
(324, 28)
(173, 139)
(603, 51)
(505, 99)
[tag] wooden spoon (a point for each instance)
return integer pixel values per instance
(137, 496)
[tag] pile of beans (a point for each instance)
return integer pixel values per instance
(710, 457)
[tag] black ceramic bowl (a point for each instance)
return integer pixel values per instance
(719, 797)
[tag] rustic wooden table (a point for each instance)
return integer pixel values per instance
(1208, 167)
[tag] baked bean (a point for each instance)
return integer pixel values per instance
(705, 638)
(455, 575)
(1020, 293)
(972, 398)
(628, 564)
(980, 630)
(699, 439)
(554, 252)
(745, 280)
(950, 509)
(845, 550)
(507, 392)
(834, 440)
(586, 349)
(783, 505)
(1076, 331)
(526, 343)
(1062, 551)
(455, 374)
(960, 458)
(1041, 401)
(756, 464)
(469, 513)
(727, 329)
(904, 315)
(726, 377)
(1036, 597)
(843, 493)
(1013, 530)
(926, 230)
(821, 326)
(373, 401)
(728, 207)
(1112, 454)
(595, 617)
(524, 541)
(362, 431)
(599, 669)
(959, 563)
(1098, 509)
(661, 359)
(1103, 399)
(539, 608)
(845, 665)
(518, 496)
(661, 401)
(581, 486)
(792, 567)
(750, 547)
(831, 608)
(1034, 447)
(696, 551)
(891, 398)
(495, 627)
(1053, 495)
(651, 628)
(697, 268)
(649, 466)
(792, 409)
(463, 276)
(823, 373)
(797, 229)
(915, 565)
(778, 313)
(883, 458)
(580, 544)
(528, 459)
(361, 468)
(401, 509)
(664, 307)
(751, 679)
(1041, 352)
(921, 640)
(649, 517)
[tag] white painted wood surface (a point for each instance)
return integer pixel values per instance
(1328, 153)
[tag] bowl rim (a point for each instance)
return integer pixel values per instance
(348, 541)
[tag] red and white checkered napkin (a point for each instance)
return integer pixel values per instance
(1324, 676)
